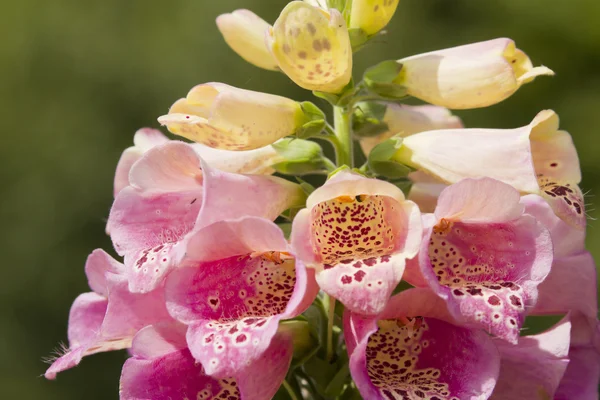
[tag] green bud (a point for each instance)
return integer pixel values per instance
(380, 159)
(300, 157)
(380, 80)
(314, 120)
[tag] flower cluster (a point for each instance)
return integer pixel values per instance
(409, 277)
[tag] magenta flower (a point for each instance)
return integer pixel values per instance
(485, 257)
(533, 368)
(236, 282)
(162, 368)
(571, 284)
(414, 351)
(109, 317)
(356, 233)
(171, 192)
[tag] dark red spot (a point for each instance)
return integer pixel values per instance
(346, 279)
(359, 275)
(241, 338)
(494, 300)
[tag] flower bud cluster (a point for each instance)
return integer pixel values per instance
(435, 251)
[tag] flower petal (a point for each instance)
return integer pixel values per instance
(488, 272)
(257, 161)
(99, 268)
(534, 367)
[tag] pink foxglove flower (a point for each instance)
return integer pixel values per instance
(219, 115)
(236, 282)
(582, 376)
(536, 158)
(533, 368)
(172, 191)
(484, 256)
(413, 350)
(162, 368)
(470, 76)
(356, 233)
(107, 318)
(571, 284)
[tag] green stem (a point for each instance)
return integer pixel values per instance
(290, 390)
(342, 117)
(330, 320)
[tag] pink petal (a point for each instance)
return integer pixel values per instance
(479, 200)
(534, 367)
(356, 232)
(99, 268)
(428, 359)
(144, 139)
(488, 272)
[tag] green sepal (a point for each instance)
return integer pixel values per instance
(379, 79)
(341, 99)
(368, 119)
(380, 161)
(307, 187)
(301, 157)
(358, 39)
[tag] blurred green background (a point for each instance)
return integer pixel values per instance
(79, 77)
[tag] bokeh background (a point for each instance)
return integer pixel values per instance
(79, 77)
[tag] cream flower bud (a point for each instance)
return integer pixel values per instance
(371, 16)
(312, 47)
(225, 117)
(244, 32)
(470, 76)
(405, 120)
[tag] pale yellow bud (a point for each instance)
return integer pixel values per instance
(471, 76)
(371, 16)
(244, 32)
(225, 117)
(312, 47)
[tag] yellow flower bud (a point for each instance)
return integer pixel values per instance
(371, 16)
(244, 32)
(312, 47)
(471, 76)
(225, 117)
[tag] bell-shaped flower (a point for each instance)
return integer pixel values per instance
(162, 368)
(404, 120)
(236, 282)
(107, 318)
(225, 117)
(533, 368)
(571, 284)
(371, 16)
(172, 191)
(312, 47)
(470, 76)
(413, 350)
(484, 256)
(244, 32)
(583, 372)
(537, 158)
(356, 233)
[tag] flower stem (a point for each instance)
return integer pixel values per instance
(290, 390)
(330, 321)
(343, 131)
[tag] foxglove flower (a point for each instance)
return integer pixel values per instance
(484, 256)
(236, 282)
(533, 368)
(571, 284)
(371, 16)
(356, 233)
(424, 191)
(413, 350)
(245, 32)
(173, 191)
(107, 318)
(536, 158)
(581, 378)
(312, 47)
(470, 76)
(162, 368)
(405, 120)
(223, 116)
